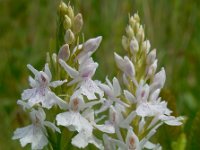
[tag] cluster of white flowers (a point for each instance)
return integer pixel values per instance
(90, 106)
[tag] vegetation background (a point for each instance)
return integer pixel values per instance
(28, 29)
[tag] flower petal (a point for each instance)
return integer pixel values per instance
(47, 71)
(57, 83)
(71, 71)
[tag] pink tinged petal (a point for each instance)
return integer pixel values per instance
(92, 44)
(32, 69)
(152, 69)
(158, 81)
(142, 93)
(87, 69)
(125, 65)
(134, 46)
(43, 78)
(119, 61)
(146, 46)
(132, 140)
(57, 83)
(76, 102)
(89, 47)
(64, 52)
(47, 71)
(129, 96)
(151, 57)
(71, 71)
(115, 116)
(129, 67)
(116, 87)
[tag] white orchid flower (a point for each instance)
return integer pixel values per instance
(125, 65)
(87, 49)
(113, 91)
(83, 77)
(73, 118)
(132, 142)
(40, 91)
(83, 122)
(36, 133)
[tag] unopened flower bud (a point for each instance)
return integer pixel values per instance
(140, 34)
(54, 58)
(63, 7)
(125, 42)
(134, 46)
(136, 17)
(132, 22)
(137, 27)
(67, 22)
(69, 37)
(154, 96)
(152, 69)
(70, 12)
(158, 81)
(78, 23)
(125, 65)
(142, 92)
(151, 57)
(92, 44)
(146, 46)
(64, 52)
(129, 31)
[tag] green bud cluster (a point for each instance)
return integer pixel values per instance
(72, 23)
(138, 48)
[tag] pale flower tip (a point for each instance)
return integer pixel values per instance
(64, 52)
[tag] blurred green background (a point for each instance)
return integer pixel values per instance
(173, 28)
